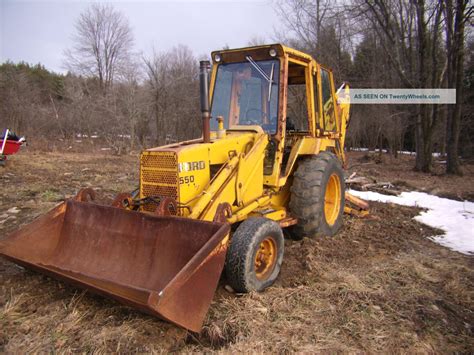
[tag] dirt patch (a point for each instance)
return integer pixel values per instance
(379, 285)
(36, 182)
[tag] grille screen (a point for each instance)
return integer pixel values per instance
(159, 177)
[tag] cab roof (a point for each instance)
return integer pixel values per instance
(259, 53)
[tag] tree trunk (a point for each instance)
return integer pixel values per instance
(424, 133)
(424, 144)
(455, 53)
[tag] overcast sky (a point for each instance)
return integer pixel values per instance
(39, 31)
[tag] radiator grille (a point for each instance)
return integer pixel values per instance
(159, 176)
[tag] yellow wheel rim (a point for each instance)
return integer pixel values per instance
(332, 199)
(265, 258)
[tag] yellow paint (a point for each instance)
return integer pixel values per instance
(265, 258)
(250, 172)
(230, 169)
(241, 214)
(271, 213)
(331, 199)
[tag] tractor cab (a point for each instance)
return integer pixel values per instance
(285, 92)
(246, 93)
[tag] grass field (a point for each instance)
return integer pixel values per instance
(379, 285)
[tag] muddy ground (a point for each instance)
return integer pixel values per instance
(379, 285)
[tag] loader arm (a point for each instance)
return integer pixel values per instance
(239, 182)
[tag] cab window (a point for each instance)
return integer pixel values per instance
(247, 94)
(329, 119)
(297, 119)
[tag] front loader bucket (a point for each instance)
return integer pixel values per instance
(165, 266)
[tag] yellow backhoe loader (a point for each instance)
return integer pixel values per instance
(270, 159)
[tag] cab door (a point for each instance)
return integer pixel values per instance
(328, 122)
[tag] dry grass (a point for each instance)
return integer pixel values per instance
(378, 286)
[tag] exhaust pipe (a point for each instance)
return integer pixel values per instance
(204, 67)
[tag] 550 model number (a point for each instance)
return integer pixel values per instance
(186, 179)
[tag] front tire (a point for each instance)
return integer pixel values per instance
(317, 196)
(255, 255)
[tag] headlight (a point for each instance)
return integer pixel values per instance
(217, 58)
(272, 52)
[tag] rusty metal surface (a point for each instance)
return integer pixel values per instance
(223, 211)
(167, 207)
(282, 101)
(85, 194)
(163, 265)
(122, 200)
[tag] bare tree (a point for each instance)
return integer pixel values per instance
(172, 79)
(409, 32)
(320, 28)
(257, 40)
(306, 19)
(456, 15)
(103, 44)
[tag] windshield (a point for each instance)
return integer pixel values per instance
(247, 94)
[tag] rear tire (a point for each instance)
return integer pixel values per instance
(255, 255)
(317, 196)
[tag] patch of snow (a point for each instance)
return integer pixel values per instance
(435, 154)
(404, 152)
(81, 135)
(456, 218)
